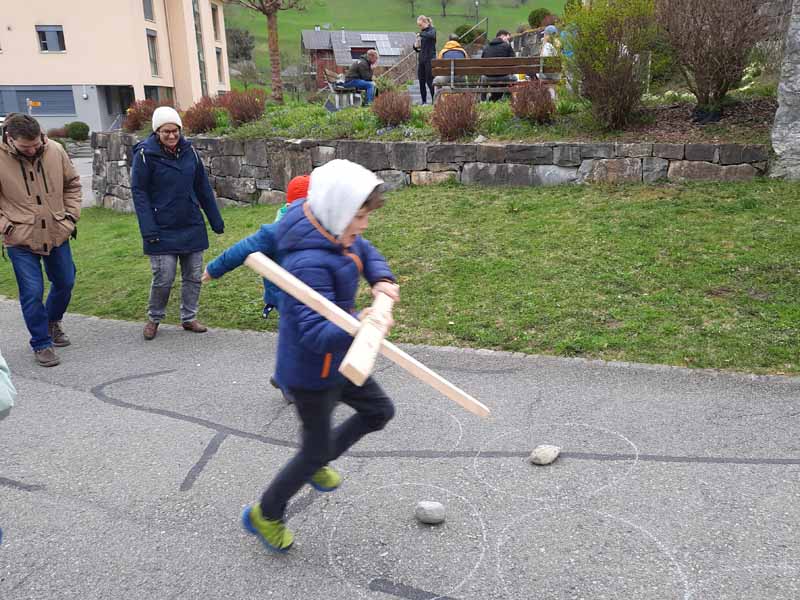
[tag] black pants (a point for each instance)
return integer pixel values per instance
(425, 76)
(320, 444)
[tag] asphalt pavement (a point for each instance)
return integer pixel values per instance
(123, 472)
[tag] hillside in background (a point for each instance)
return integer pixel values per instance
(382, 15)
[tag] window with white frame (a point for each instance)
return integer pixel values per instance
(220, 67)
(152, 51)
(148, 10)
(51, 38)
(215, 21)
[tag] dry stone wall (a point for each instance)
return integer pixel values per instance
(258, 171)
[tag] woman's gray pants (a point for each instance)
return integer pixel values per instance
(164, 267)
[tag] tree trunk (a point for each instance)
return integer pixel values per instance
(274, 57)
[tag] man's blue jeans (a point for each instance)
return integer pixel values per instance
(28, 270)
(361, 84)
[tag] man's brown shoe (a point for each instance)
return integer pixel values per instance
(60, 338)
(47, 357)
(195, 326)
(150, 330)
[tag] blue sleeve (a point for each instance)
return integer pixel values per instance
(205, 195)
(375, 267)
(262, 240)
(140, 184)
(316, 333)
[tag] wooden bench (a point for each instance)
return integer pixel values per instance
(463, 74)
(342, 96)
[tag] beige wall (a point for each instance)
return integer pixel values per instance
(106, 44)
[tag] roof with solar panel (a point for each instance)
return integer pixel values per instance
(391, 45)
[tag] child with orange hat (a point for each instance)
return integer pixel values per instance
(261, 241)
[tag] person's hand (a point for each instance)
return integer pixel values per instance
(386, 287)
(205, 277)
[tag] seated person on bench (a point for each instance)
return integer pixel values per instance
(359, 75)
(499, 47)
(452, 49)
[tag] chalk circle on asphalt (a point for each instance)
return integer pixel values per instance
(561, 551)
(502, 464)
(429, 427)
(376, 536)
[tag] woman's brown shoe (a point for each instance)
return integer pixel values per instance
(195, 326)
(150, 330)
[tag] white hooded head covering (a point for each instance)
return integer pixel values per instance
(338, 189)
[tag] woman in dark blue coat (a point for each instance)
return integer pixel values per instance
(170, 186)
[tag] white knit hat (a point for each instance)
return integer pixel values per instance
(166, 114)
(337, 191)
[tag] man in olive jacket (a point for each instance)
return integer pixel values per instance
(359, 75)
(40, 203)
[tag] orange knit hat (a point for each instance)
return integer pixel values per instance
(297, 188)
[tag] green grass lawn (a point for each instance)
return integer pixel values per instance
(700, 275)
(374, 16)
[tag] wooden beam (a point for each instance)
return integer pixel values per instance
(360, 358)
(311, 298)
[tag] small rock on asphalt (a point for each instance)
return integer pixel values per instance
(544, 454)
(431, 513)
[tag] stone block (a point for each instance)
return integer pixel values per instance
(263, 184)
(116, 151)
(431, 178)
(371, 155)
(272, 197)
(232, 147)
(670, 151)
(223, 202)
(703, 152)
(554, 175)
(490, 153)
(255, 153)
(99, 166)
(452, 153)
(744, 172)
(118, 204)
(286, 162)
(226, 166)
(515, 174)
(735, 154)
(654, 169)
(241, 189)
(684, 170)
(213, 147)
(256, 172)
(529, 154)
(567, 155)
(613, 170)
(392, 179)
(639, 150)
(99, 139)
(99, 186)
(321, 155)
(123, 177)
(120, 192)
(129, 139)
(479, 173)
(605, 150)
(408, 156)
(437, 167)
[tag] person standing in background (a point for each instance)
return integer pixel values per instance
(425, 46)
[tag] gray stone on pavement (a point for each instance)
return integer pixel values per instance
(431, 513)
(544, 454)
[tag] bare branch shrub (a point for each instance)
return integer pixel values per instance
(712, 40)
(392, 108)
(532, 101)
(455, 116)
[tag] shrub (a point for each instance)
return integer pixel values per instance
(469, 38)
(140, 114)
(455, 116)
(240, 44)
(384, 84)
(77, 130)
(536, 17)
(532, 101)
(200, 117)
(711, 40)
(244, 107)
(611, 35)
(57, 133)
(392, 108)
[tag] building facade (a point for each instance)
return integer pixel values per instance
(89, 60)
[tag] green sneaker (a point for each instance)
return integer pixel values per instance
(326, 480)
(273, 534)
